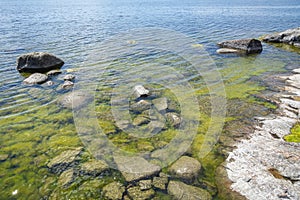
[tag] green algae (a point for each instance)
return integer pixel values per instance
(295, 134)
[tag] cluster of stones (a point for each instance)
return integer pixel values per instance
(142, 178)
(43, 66)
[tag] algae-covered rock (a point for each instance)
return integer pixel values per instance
(145, 184)
(136, 168)
(137, 194)
(114, 191)
(3, 157)
(182, 191)
(140, 106)
(66, 178)
(75, 99)
(63, 161)
(160, 182)
(174, 119)
(160, 104)
(94, 167)
(186, 168)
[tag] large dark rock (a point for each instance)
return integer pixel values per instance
(290, 36)
(247, 45)
(38, 62)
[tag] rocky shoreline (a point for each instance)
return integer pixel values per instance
(265, 166)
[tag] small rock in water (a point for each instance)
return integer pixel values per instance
(186, 168)
(140, 91)
(161, 103)
(137, 193)
(54, 72)
(14, 192)
(94, 167)
(36, 78)
(145, 184)
(75, 99)
(227, 50)
(114, 191)
(67, 84)
(140, 106)
(66, 178)
(50, 83)
(174, 119)
(69, 77)
(3, 157)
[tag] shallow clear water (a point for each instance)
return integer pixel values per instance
(34, 129)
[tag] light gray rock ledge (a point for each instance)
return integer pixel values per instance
(265, 166)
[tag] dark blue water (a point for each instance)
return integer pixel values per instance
(72, 29)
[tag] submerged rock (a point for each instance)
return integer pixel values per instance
(94, 167)
(140, 106)
(160, 182)
(38, 62)
(183, 191)
(36, 78)
(69, 77)
(3, 157)
(161, 104)
(75, 99)
(138, 194)
(145, 184)
(186, 168)
(247, 45)
(140, 91)
(54, 72)
(114, 191)
(63, 161)
(66, 178)
(67, 84)
(136, 168)
(174, 119)
(290, 36)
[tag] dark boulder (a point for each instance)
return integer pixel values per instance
(247, 45)
(38, 62)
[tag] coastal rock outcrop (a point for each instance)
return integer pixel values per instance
(265, 165)
(38, 62)
(247, 45)
(290, 36)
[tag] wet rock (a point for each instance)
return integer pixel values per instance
(140, 91)
(140, 120)
(140, 106)
(227, 50)
(145, 184)
(290, 36)
(38, 62)
(69, 77)
(183, 191)
(186, 168)
(3, 157)
(75, 99)
(54, 72)
(36, 78)
(49, 83)
(174, 119)
(94, 168)
(161, 104)
(66, 178)
(136, 168)
(137, 194)
(67, 84)
(114, 191)
(63, 161)
(247, 45)
(160, 182)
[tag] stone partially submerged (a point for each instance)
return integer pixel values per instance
(38, 62)
(290, 36)
(247, 45)
(36, 78)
